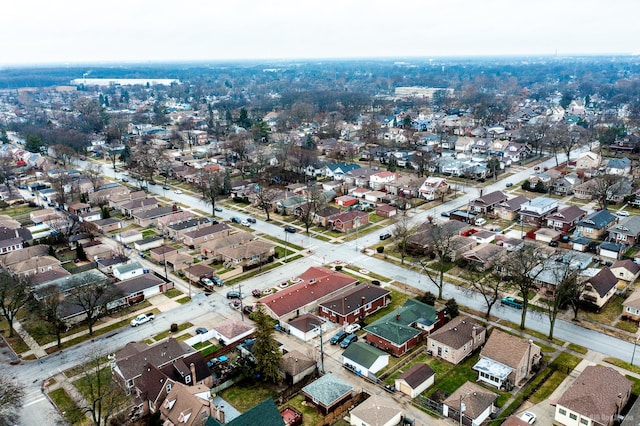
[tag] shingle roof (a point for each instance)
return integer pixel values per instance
(353, 299)
(505, 348)
(396, 326)
(363, 354)
(264, 414)
(295, 362)
(377, 410)
(416, 375)
(633, 300)
(476, 399)
(595, 392)
(598, 219)
(327, 390)
(628, 226)
(603, 281)
(457, 332)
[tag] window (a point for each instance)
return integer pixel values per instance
(129, 383)
(562, 411)
(187, 379)
(573, 416)
(168, 387)
(584, 421)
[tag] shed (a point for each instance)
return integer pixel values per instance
(364, 359)
(415, 380)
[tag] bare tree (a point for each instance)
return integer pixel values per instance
(211, 184)
(48, 307)
(63, 153)
(6, 170)
(314, 200)
(93, 298)
(103, 397)
(13, 296)
(519, 267)
(566, 280)
(93, 172)
(11, 399)
(265, 197)
(490, 286)
(402, 231)
(606, 187)
(440, 241)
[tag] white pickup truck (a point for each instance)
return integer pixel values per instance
(141, 319)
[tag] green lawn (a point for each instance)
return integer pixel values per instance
(173, 292)
(164, 334)
(247, 394)
(310, 415)
(66, 405)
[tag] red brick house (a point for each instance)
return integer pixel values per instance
(344, 222)
(354, 304)
(565, 219)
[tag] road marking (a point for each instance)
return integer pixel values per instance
(35, 401)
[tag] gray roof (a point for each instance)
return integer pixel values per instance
(627, 226)
(598, 219)
(128, 267)
(327, 390)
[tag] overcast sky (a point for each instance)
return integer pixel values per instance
(69, 31)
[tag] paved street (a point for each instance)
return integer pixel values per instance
(215, 307)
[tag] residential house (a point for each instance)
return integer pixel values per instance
(485, 256)
(464, 144)
(565, 184)
(97, 251)
(626, 231)
(405, 327)
(175, 230)
(159, 254)
(471, 402)
(171, 356)
(586, 190)
(136, 206)
(128, 237)
(486, 203)
(507, 360)
(565, 219)
(203, 234)
(457, 339)
(596, 224)
(198, 271)
(108, 225)
(210, 249)
(548, 274)
(296, 366)
(186, 405)
(77, 208)
(314, 286)
(510, 209)
(377, 181)
(596, 397)
(232, 331)
(385, 210)
(91, 216)
(619, 166)
(588, 160)
(323, 214)
(360, 177)
(348, 221)
(346, 201)
(248, 255)
(105, 193)
(535, 211)
(151, 216)
(600, 288)
(423, 238)
(415, 380)
(433, 188)
(26, 253)
(376, 411)
(355, 304)
(337, 171)
(364, 360)
(135, 290)
(327, 393)
(33, 266)
(516, 152)
(626, 270)
(631, 306)
(176, 217)
(107, 264)
(265, 414)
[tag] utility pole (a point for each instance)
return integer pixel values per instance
(240, 293)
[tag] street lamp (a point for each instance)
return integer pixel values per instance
(635, 343)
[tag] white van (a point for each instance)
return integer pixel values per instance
(480, 221)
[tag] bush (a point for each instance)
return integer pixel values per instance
(338, 268)
(174, 328)
(380, 249)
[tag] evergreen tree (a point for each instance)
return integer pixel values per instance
(265, 349)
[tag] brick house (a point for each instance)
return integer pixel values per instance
(565, 219)
(354, 304)
(205, 233)
(487, 203)
(457, 339)
(345, 222)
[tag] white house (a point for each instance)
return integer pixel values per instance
(376, 411)
(127, 271)
(433, 187)
(379, 180)
(364, 359)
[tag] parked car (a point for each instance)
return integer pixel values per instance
(528, 417)
(236, 219)
(553, 244)
(348, 340)
(510, 301)
(152, 182)
(206, 281)
(290, 229)
(124, 179)
(338, 337)
(218, 209)
(218, 360)
(166, 187)
(234, 295)
(141, 319)
(385, 236)
(217, 281)
(245, 223)
(251, 220)
(623, 213)
(480, 221)
(509, 184)
(352, 328)
(178, 191)
(445, 214)
(201, 330)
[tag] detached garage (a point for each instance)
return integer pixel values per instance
(364, 359)
(415, 380)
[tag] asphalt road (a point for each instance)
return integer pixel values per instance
(38, 411)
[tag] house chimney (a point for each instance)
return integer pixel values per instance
(192, 367)
(397, 317)
(473, 333)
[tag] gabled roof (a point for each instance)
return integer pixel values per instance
(603, 281)
(416, 375)
(627, 264)
(490, 199)
(515, 203)
(133, 357)
(627, 226)
(457, 332)
(506, 348)
(295, 362)
(476, 399)
(354, 298)
(633, 300)
(363, 354)
(596, 393)
(567, 214)
(377, 410)
(598, 219)
(396, 326)
(264, 414)
(327, 390)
